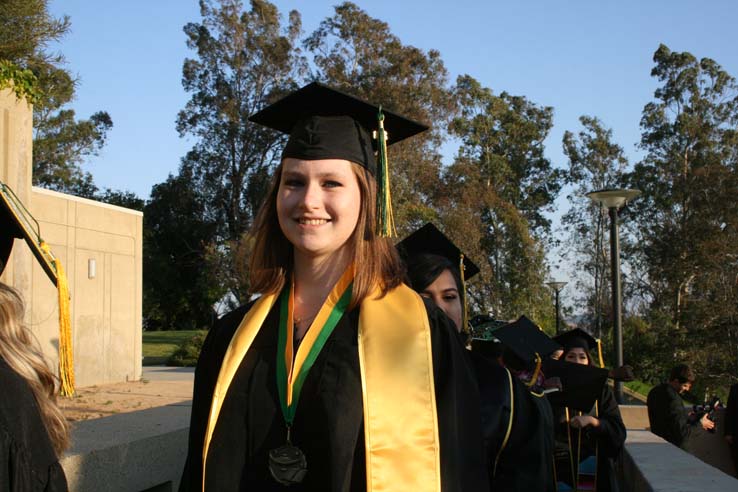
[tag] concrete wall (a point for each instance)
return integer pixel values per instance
(106, 308)
(131, 452)
(650, 464)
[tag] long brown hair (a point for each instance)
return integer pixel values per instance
(20, 350)
(377, 262)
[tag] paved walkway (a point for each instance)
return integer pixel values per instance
(159, 386)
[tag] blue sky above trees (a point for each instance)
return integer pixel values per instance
(581, 57)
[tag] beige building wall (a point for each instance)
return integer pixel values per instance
(100, 247)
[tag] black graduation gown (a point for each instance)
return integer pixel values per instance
(608, 440)
(328, 425)
(27, 459)
(525, 461)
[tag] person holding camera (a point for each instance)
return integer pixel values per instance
(666, 413)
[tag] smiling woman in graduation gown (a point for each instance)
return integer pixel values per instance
(389, 402)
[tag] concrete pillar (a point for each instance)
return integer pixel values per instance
(16, 161)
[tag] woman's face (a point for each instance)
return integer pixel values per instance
(445, 294)
(318, 205)
(577, 355)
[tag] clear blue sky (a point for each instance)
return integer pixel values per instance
(579, 56)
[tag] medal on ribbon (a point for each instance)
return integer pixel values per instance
(287, 463)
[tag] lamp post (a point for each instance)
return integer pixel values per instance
(557, 286)
(613, 200)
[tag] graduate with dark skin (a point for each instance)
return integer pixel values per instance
(339, 377)
(517, 449)
(598, 434)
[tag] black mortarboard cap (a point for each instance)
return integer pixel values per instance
(525, 339)
(581, 384)
(429, 240)
(324, 123)
(577, 338)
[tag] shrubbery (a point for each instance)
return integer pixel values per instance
(188, 351)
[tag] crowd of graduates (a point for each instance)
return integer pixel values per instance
(354, 368)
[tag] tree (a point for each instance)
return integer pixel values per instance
(595, 162)
(687, 215)
(359, 54)
(61, 143)
(126, 199)
(181, 284)
(496, 192)
(243, 59)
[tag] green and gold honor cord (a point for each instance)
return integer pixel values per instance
(292, 369)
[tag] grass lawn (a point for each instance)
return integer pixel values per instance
(639, 387)
(158, 346)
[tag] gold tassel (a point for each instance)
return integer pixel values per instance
(66, 355)
(385, 218)
(535, 373)
(464, 304)
(599, 352)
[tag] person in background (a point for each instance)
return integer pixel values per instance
(592, 439)
(33, 430)
(516, 425)
(622, 373)
(338, 377)
(731, 424)
(666, 413)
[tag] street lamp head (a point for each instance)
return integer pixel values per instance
(613, 198)
(557, 286)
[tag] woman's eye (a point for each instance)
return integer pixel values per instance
(292, 182)
(332, 184)
(450, 297)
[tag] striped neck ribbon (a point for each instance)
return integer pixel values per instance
(293, 367)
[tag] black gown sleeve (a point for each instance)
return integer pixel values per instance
(610, 434)
(524, 462)
(206, 375)
(457, 402)
(28, 462)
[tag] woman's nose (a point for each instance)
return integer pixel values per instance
(311, 196)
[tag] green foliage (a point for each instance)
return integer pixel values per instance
(494, 196)
(121, 198)
(595, 162)
(504, 135)
(687, 218)
(639, 387)
(158, 346)
(358, 53)
(22, 81)
(188, 352)
(181, 276)
(61, 143)
(242, 59)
